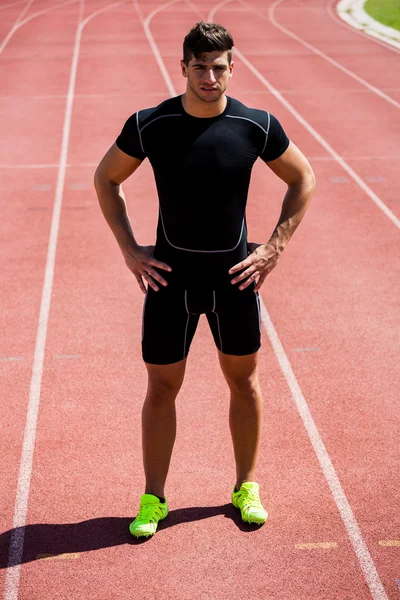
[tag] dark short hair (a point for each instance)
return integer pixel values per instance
(206, 37)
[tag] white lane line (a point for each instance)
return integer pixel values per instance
(145, 23)
(15, 26)
(6, 167)
(357, 541)
(384, 208)
(271, 18)
(352, 11)
(67, 356)
(24, 477)
(12, 4)
(350, 523)
(20, 24)
(360, 182)
(50, 165)
(335, 18)
(11, 358)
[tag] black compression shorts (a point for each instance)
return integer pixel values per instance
(171, 315)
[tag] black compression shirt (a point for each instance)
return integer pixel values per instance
(202, 169)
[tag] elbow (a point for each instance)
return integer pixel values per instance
(101, 181)
(97, 179)
(309, 180)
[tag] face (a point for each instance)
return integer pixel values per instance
(208, 75)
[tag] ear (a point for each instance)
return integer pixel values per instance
(184, 69)
(231, 69)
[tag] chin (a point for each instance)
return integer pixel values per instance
(209, 98)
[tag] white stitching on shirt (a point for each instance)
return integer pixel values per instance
(156, 119)
(255, 123)
(201, 251)
(140, 136)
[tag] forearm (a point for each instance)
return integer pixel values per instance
(294, 206)
(113, 206)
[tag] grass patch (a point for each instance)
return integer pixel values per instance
(386, 12)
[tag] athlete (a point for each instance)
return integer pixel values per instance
(202, 146)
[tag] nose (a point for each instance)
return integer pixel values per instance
(209, 76)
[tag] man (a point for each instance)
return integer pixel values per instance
(202, 146)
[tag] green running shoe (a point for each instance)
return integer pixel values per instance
(247, 499)
(150, 512)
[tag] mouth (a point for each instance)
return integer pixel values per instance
(204, 89)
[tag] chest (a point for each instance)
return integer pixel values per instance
(226, 146)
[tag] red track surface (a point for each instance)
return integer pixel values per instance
(333, 301)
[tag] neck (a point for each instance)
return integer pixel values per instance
(198, 108)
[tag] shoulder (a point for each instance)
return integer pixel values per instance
(169, 108)
(260, 118)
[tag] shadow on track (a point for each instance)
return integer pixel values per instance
(103, 532)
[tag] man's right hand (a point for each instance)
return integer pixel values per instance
(140, 260)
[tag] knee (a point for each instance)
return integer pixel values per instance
(161, 390)
(243, 384)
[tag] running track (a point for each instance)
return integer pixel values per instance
(72, 379)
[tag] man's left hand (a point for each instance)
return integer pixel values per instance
(260, 262)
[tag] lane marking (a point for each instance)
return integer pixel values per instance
(357, 541)
(27, 166)
(90, 165)
(78, 186)
(11, 358)
(145, 23)
(15, 26)
(316, 546)
(64, 556)
(360, 548)
(60, 356)
(339, 179)
(18, 24)
(384, 208)
(306, 349)
(389, 543)
(272, 19)
(12, 4)
(352, 11)
(375, 178)
(291, 91)
(374, 197)
(335, 18)
(43, 187)
(24, 477)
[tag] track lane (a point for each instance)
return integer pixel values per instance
(332, 13)
(65, 467)
(364, 58)
(26, 202)
(185, 468)
(377, 311)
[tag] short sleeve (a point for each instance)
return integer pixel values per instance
(129, 140)
(277, 141)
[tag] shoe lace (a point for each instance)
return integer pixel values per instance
(250, 499)
(148, 512)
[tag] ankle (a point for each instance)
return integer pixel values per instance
(160, 496)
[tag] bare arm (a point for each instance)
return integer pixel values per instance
(294, 169)
(114, 168)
